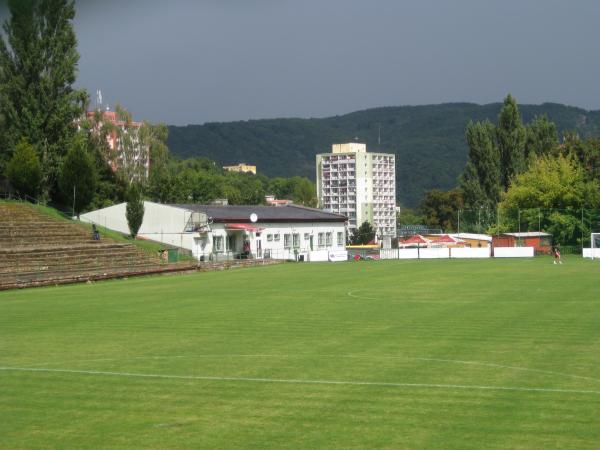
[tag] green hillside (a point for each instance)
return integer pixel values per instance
(428, 140)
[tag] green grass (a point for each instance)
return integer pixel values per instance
(516, 324)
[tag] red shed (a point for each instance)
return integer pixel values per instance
(542, 242)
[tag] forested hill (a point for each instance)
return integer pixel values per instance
(428, 140)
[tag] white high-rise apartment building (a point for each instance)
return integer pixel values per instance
(359, 185)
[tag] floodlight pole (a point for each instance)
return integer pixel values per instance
(582, 225)
(498, 221)
(459, 223)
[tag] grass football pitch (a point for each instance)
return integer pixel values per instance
(390, 354)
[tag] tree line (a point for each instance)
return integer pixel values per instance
(516, 166)
(50, 149)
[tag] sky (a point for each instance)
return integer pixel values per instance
(196, 61)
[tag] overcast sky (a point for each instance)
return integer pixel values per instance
(196, 61)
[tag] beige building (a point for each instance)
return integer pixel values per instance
(241, 167)
(360, 185)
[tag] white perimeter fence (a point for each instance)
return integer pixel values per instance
(463, 252)
(591, 253)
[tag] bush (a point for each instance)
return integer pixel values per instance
(24, 170)
(363, 234)
(134, 210)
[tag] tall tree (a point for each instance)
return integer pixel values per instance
(480, 181)
(134, 210)
(154, 137)
(542, 136)
(38, 64)
(510, 138)
(407, 216)
(587, 153)
(77, 178)
(305, 192)
(557, 186)
(469, 183)
(440, 208)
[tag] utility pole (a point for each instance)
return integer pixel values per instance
(74, 193)
(519, 219)
(582, 225)
(498, 221)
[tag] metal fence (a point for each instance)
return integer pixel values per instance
(569, 227)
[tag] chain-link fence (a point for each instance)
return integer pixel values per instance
(570, 228)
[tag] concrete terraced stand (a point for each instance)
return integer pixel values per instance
(39, 250)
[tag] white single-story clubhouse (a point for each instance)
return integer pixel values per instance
(215, 232)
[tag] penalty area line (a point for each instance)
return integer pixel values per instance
(298, 381)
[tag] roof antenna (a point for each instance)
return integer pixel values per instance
(379, 137)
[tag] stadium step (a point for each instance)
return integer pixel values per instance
(36, 249)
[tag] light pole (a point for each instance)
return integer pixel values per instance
(74, 194)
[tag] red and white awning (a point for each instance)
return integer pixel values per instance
(242, 227)
(416, 239)
(447, 239)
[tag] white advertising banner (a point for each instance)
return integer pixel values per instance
(469, 252)
(338, 255)
(514, 252)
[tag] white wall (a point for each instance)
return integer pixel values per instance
(112, 217)
(473, 252)
(514, 252)
(388, 253)
(272, 240)
(414, 253)
(432, 253)
(161, 223)
(589, 252)
(166, 224)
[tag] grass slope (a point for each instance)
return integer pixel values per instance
(517, 324)
(150, 247)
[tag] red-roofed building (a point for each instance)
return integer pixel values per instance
(415, 241)
(445, 240)
(540, 241)
(126, 152)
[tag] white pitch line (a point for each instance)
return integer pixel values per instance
(308, 355)
(294, 381)
(351, 294)
(446, 302)
(500, 366)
